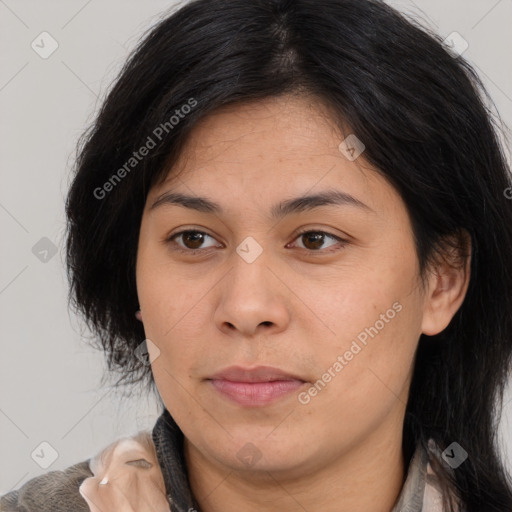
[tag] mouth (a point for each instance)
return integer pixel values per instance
(253, 387)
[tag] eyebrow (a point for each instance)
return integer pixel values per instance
(280, 210)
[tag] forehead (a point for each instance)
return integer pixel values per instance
(283, 146)
(283, 128)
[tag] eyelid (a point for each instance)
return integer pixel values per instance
(325, 231)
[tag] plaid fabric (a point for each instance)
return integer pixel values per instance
(421, 491)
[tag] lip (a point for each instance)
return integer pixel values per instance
(256, 374)
(257, 386)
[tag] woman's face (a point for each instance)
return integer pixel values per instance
(339, 321)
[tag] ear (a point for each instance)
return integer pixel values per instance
(447, 285)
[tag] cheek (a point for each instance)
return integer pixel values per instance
(175, 322)
(374, 319)
(345, 304)
(166, 300)
(354, 395)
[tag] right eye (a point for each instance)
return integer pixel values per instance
(192, 237)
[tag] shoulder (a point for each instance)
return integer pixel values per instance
(70, 488)
(55, 490)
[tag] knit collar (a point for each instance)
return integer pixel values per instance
(168, 439)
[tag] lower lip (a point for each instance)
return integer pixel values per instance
(256, 393)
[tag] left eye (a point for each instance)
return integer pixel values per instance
(196, 238)
(314, 238)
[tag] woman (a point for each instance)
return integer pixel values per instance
(305, 203)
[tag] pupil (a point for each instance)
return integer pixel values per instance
(318, 237)
(198, 239)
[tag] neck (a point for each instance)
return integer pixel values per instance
(367, 478)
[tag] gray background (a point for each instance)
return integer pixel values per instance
(49, 378)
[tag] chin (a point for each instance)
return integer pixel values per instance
(248, 453)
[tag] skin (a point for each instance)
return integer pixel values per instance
(297, 306)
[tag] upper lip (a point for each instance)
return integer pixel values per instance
(256, 374)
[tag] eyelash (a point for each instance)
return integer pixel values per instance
(342, 242)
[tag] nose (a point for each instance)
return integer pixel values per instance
(253, 299)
